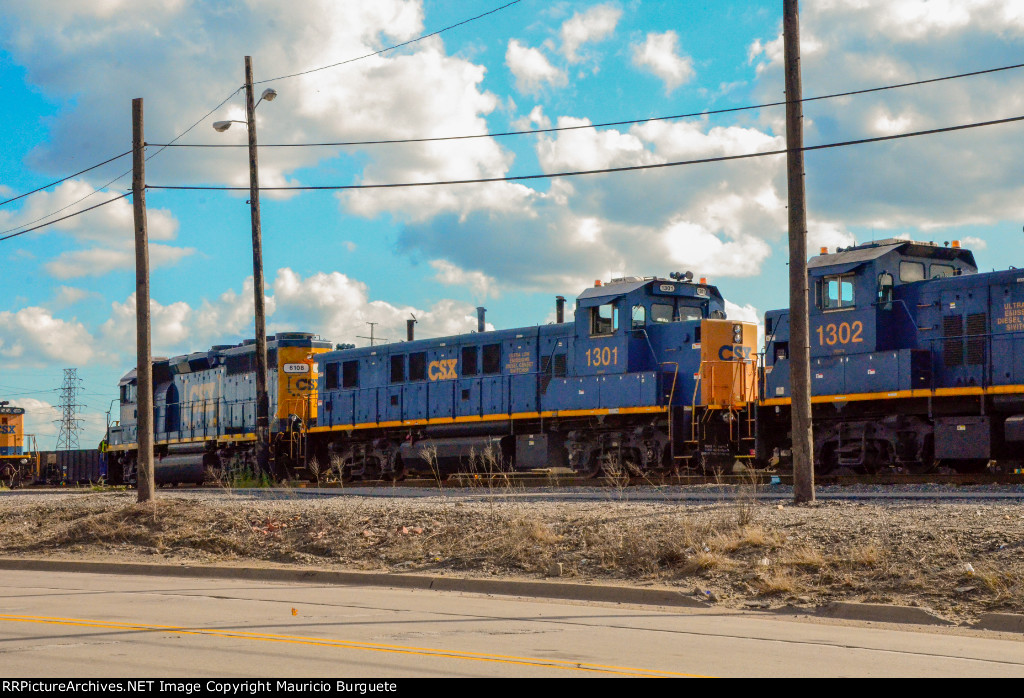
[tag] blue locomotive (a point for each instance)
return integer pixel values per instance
(648, 375)
(204, 407)
(917, 361)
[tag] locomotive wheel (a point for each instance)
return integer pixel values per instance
(921, 467)
(592, 470)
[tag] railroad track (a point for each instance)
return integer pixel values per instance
(756, 479)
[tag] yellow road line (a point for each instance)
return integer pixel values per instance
(350, 644)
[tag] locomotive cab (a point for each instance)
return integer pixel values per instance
(864, 334)
(905, 349)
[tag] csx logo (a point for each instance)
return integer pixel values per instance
(304, 384)
(735, 352)
(441, 370)
(6, 429)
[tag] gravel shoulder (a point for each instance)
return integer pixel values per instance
(959, 558)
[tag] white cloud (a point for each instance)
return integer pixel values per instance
(33, 336)
(69, 295)
(532, 69)
(693, 246)
(111, 223)
(660, 54)
(333, 305)
(451, 275)
(419, 91)
(974, 243)
(965, 178)
(99, 261)
(595, 24)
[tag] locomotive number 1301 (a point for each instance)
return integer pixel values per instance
(843, 333)
(603, 356)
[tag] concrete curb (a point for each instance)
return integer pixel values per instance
(539, 589)
(881, 613)
(1002, 622)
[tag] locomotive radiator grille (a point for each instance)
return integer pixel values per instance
(953, 343)
(977, 328)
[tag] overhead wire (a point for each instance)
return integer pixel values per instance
(163, 146)
(390, 48)
(608, 170)
(104, 186)
(64, 179)
(626, 122)
(64, 218)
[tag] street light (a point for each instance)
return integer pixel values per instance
(262, 399)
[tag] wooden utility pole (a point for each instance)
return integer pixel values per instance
(799, 336)
(143, 364)
(262, 398)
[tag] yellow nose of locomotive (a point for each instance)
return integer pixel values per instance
(728, 363)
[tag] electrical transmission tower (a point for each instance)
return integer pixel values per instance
(69, 422)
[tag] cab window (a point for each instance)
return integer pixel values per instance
(639, 317)
(885, 288)
(939, 271)
(837, 292)
(688, 312)
(911, 272)
(604, 319)
(662, 312)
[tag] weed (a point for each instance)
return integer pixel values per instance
(805, 557)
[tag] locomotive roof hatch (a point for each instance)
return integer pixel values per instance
(617, 288)
(847, 259)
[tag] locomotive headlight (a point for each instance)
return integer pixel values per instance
(737, 334)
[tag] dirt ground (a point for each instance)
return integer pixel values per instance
(958, 558)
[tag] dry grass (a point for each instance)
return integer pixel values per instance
(776, 583)
(909, 554)
(804, 557)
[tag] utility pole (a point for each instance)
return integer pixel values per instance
(262, 399)
(143, 363)
(371, 337)
(799, 336)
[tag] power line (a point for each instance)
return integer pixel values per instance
(64, 179)
(627, 122)
(64, 218)
(576, 173)
(104, 186)
(391, 48)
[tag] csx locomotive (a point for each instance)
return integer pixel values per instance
(649, 374)
(917, 361)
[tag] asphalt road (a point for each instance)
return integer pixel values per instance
(90, 625)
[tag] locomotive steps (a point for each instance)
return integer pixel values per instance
(960, 559)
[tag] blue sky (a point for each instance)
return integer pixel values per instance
(333, 262)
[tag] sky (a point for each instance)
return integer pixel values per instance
(337, 260)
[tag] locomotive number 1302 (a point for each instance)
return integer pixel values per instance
(843, 333)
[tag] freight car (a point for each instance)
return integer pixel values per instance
(649, 375)
(205, 410)
(917, 361)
